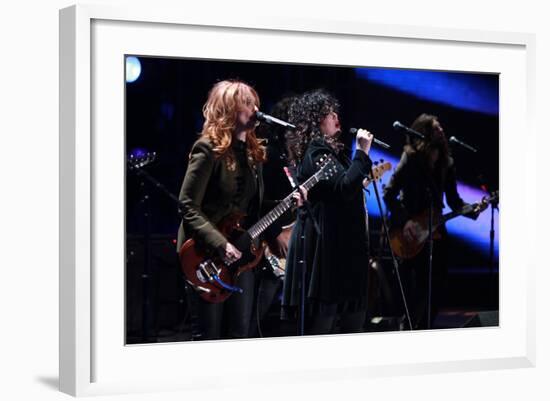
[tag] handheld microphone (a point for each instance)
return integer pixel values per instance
(353, 131)
(266, 118)
(400, 127)
(453, 139)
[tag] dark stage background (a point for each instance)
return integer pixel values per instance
(163, 114)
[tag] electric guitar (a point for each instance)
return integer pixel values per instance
(278, 264)
(209, 274)
(408, 248)
(136, 162)
(378, 171)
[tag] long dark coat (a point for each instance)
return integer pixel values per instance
(336, 260)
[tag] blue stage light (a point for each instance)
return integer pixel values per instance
(138, 152)
(468, 91)
(133, 69)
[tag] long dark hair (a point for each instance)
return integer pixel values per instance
(306, 112)
(424, 124)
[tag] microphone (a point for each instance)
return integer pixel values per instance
(353, 131)
(400, 127)
(266, 118)
(453, 139)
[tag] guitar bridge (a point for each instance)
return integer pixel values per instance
(207, 270)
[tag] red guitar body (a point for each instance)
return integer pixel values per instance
(207, 273)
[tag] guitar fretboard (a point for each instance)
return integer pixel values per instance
(467, 209)
(282, 207)
(451, 215)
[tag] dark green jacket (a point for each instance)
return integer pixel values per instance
(207, 195)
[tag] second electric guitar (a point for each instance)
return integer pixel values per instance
(409, 248)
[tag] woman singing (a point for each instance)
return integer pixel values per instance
(337, 257)
(224, 176)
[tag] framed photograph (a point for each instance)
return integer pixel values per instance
(135, 82)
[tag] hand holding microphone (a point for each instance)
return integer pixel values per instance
(363, 140)
(362, 137)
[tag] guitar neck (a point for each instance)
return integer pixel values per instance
(465, 210)
(451, 215)
(257, 229)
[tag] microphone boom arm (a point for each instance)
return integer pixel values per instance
(272, 120)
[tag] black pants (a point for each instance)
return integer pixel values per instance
(415, 276)
(229, 319)
(323, 319)
(268, 289)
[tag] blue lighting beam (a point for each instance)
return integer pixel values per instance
(467, 91)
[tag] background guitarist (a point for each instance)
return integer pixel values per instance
(424, 174)
(224, 176)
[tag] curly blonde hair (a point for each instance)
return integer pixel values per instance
(220, 113)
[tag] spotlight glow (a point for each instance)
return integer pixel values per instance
(133, 69)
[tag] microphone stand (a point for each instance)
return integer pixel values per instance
(394, 259)
(302, 244)
(410, 132)
(494, 206)
(430, 257)
(145, 176)
(303, 265)
(301, 236)
(492, 237)
(485, 186)
(492, 248)
(387, 237)
(146, 274)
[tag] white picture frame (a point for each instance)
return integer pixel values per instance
(93, 357)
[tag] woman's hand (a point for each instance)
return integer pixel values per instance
(363, 140)
(298, 200)
(411, 230)
(230, 254)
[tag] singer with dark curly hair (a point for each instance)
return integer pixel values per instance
(337, 257)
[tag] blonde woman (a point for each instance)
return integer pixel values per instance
(224, 176)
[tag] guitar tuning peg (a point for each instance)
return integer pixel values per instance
(376, 163)
(381, 160)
